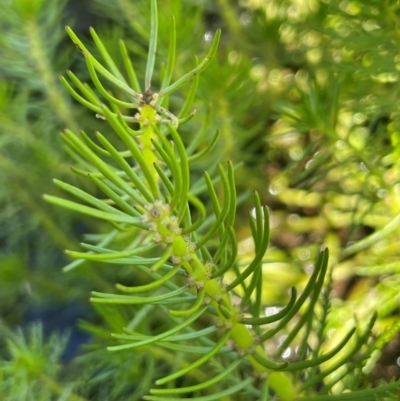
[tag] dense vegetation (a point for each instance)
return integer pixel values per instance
(303, 95)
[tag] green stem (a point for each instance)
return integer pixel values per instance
(45, 70)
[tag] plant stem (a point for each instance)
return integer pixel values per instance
(43, 64)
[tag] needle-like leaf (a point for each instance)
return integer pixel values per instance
(129, 67)
(201, 67)
(197, 363)
(171, 54)
(159, 337)
(152, 45)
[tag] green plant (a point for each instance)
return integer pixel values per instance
(33, 369)
(176, 248)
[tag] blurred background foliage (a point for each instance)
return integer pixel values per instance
(305, 94)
